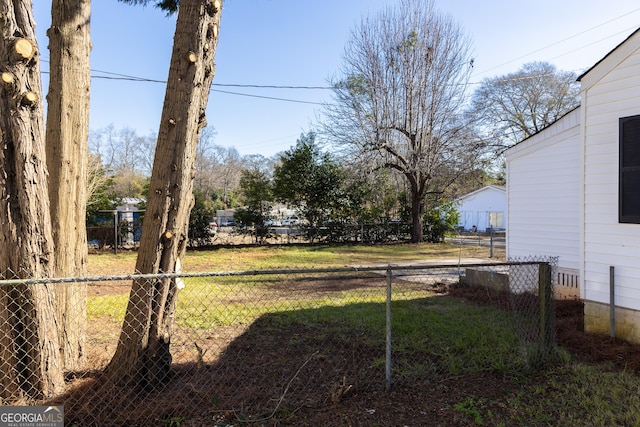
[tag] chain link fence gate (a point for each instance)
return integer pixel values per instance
(248, 345)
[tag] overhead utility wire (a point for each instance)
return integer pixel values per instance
(561, 41)
(266, 97)
(274, 86)
(142, 79)
(134, 78)
(119, 76)
(625, 31)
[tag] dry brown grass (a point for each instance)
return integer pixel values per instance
(299, 256)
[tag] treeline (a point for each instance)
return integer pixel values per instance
(337, 200)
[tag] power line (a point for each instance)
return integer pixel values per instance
(563, 40)
(266, 97)
(125, 77)
(274, 86)
(254, 86)
(142, 79)
(625, 31)
(298, 87)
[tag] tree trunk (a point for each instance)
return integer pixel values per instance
(416, 216)
(142, 356)
(29, 354)
(67, 150)
(416, 187)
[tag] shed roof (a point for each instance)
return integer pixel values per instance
(499, 188)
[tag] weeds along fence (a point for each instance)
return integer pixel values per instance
(253, 346)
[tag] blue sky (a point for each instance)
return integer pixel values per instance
(300, 43)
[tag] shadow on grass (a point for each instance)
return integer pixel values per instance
(282, 363)
(323, 366)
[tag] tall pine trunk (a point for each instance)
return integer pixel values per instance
(143, 356)
(30, 364)
(67, 149)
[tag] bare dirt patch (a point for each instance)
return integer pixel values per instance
(108, 288)
(285, 378)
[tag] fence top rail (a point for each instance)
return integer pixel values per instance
(370, 268)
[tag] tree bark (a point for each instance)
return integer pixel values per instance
(142, 356)
(67, 137)
(417, 203)
(29, 355)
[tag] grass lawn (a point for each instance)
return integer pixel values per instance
(276, 257)
(310, 351)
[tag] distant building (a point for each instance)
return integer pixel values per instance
(482, 209)
(225, 217)
(129, 219)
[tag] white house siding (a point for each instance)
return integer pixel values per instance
(476, 208)
(543, 195)
(610, 91)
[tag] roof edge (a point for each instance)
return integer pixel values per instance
(581, 76)
(495, 187)
(546, 127)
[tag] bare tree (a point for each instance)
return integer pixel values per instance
(123, 149)
(143, 356)
(126, 151)
(228, 170)
(146, 151)
(66, 146)
(260, 163)
(512, 107)
(30, 362)
(101, 143)
(128, 157)
(399, 99)
(133, 162)
(97, 178)
(205, 163)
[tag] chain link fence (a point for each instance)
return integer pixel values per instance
(252, 346)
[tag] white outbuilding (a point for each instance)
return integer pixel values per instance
(482, 209)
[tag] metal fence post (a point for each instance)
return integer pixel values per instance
(388, 339)
(491, 243)
(612, 301)
(116, 231)
(547, 326)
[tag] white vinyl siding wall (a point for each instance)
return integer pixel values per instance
(543, 193)
(610, 91)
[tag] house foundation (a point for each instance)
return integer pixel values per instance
(597, 320)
